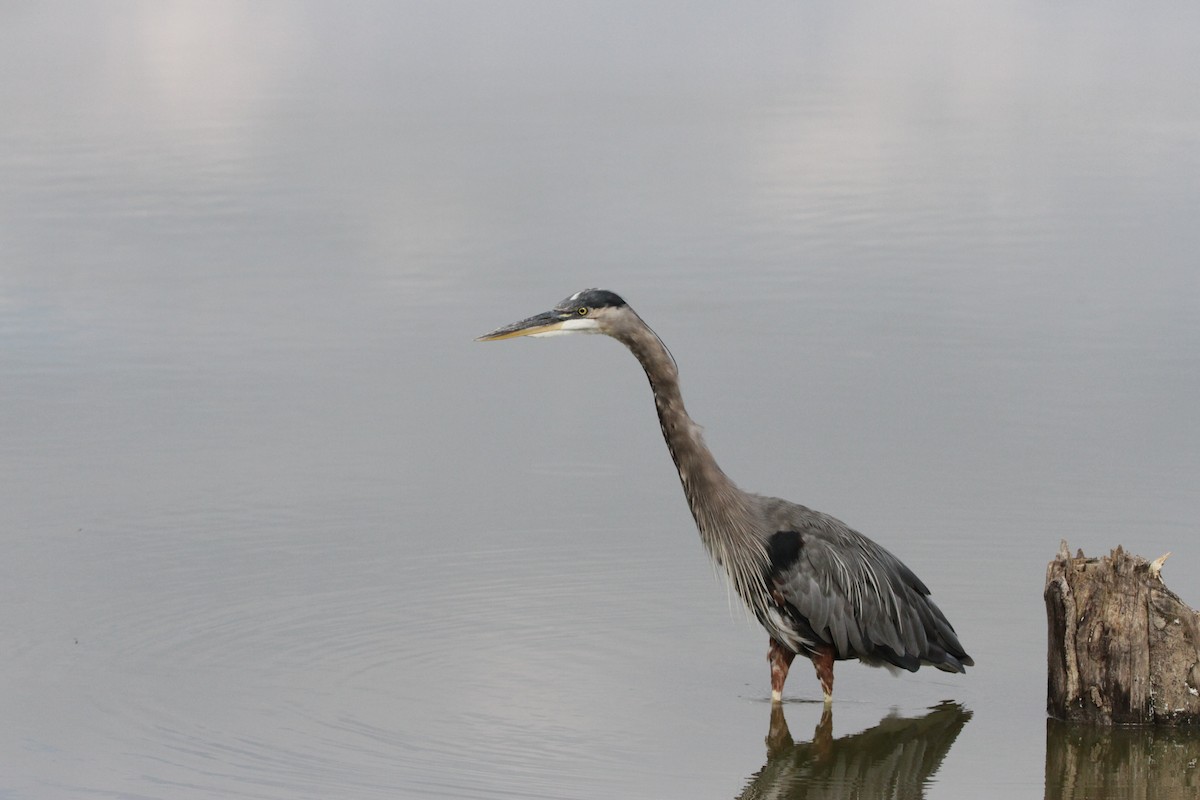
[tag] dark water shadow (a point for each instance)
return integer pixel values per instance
(894, 759)
(1086, 761)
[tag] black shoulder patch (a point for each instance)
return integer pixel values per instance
(784, 549)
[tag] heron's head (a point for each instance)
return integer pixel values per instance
(589, 311)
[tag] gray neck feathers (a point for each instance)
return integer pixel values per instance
(725, 515)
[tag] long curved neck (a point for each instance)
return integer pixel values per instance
(722, 511)
(703, 481)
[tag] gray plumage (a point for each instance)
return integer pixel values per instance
(820, 588)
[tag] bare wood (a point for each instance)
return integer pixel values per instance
(1123, 648)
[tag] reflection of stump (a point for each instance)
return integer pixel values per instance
(1123, 648)
(1085, 762)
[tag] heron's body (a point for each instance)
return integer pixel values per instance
(820, 588)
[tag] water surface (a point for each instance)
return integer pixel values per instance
(276, 527)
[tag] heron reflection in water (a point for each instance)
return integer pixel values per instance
(895, 759)
(820, 588)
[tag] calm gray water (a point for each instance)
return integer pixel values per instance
(274, 526)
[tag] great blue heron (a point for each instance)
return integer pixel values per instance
(819, 587)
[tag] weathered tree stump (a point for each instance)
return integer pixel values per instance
(1123, 648)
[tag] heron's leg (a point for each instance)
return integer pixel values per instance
(823, 662)
(781, 659)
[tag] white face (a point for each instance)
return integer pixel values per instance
(573, 325)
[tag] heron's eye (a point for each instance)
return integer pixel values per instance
(582, 311)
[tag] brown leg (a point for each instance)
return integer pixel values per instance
(823, 662)
(781, 659)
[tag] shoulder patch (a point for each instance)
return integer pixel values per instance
(784, 549)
